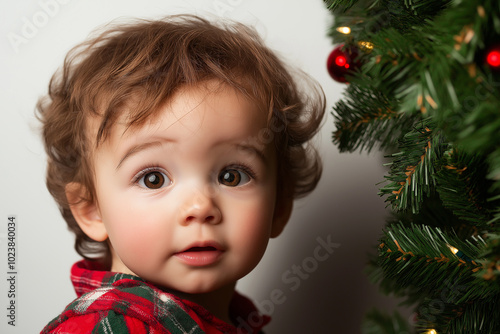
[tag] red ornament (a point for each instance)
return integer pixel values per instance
(342, 61)
(493, 58)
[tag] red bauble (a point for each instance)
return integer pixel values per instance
(493, 58)
(342, 61)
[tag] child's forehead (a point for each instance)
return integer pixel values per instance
(219, 103)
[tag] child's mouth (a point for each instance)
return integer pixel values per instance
(201, 249)
(199, 255)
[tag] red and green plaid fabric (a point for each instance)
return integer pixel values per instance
(118, 303)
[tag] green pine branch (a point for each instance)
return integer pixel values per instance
(480, 317)
(366, 118)
(424, 85)
(418, 261)
(490, 270)
(434, 214)
(413, 167)
(376, 322)
(401, 15)
(463, 187)
(340, 5)
(494, 175)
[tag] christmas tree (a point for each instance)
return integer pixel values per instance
(423, 86)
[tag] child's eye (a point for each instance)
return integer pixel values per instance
(153, 180)
(232, 177)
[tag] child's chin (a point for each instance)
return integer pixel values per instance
(201, 289)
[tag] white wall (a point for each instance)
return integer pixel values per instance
(345, 208)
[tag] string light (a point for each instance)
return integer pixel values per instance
(453, 249)
(431, 331)
(344, 30)
(493, 58)
(458, 253)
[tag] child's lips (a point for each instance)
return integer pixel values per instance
(201, 254)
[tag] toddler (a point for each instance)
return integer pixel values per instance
(175, 150)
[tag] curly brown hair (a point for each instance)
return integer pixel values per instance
(150, 60)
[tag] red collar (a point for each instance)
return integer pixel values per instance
(88, 275)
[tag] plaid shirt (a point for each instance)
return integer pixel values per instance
(119, 303)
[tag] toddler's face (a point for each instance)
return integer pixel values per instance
(188, 200)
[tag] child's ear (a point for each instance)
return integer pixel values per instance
(86, 214)
(282, 214)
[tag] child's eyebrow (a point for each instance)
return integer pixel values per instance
(252, 149)
(141, 147)
(137, 148)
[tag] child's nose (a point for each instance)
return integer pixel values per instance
(200, 207)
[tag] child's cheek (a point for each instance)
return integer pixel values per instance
(137, 246)
(130, 232)
(252, 229)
